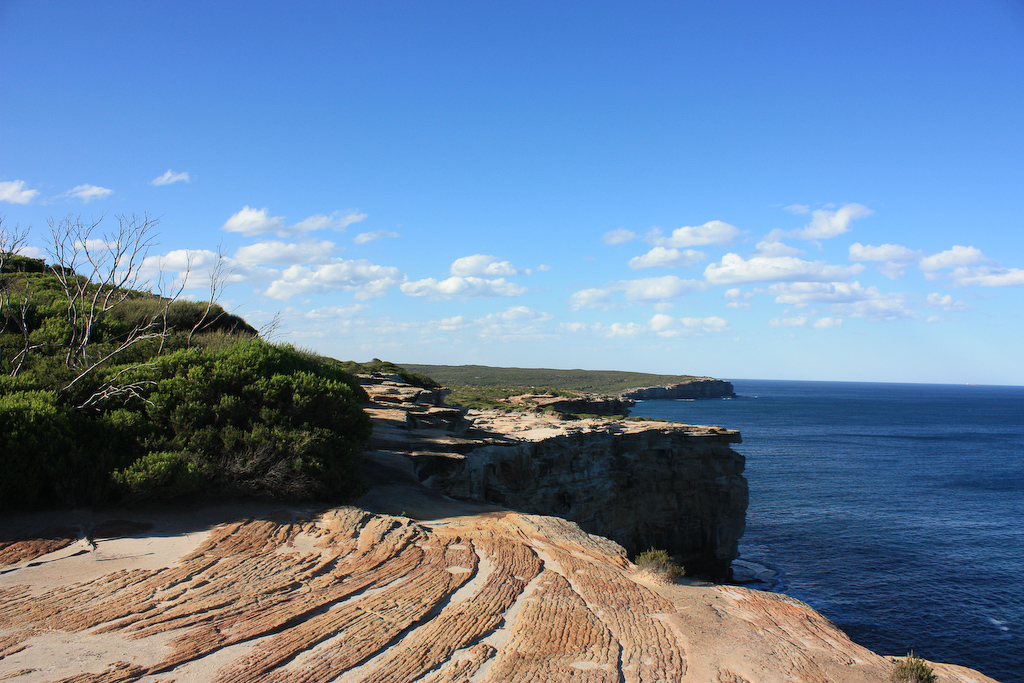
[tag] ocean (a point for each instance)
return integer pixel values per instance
(896, 510)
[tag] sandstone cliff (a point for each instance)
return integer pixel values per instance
(269, 596)
(642, 484)
(703, 387)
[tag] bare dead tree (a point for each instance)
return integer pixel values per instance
(219, 273)
(14, 295)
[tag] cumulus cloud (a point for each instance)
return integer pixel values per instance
(622, 330)
(986, 276)
(827, 224)
(283, 253)
(825, 323)
(737, 298)
(883, 252)
(668, 326)
(592, 297)
(365, 279)
(517, 322)
(969, 266)
(802, 294)
(87, 193)
(734, 269)
(661, 257)
(643, 290)
(367, 237)
(946, 302)
(14, 192)
(620, 236)
(712, 232)
(774, 247)
(953, 258)
(894, 258)
(457, 286)
(845, 299)
(189, 267)
(171, 177)
(251, 222)
(482, 265)
(799, 321)
(797, 208)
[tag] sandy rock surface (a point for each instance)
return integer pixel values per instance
(349, 595)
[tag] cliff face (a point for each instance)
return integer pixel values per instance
(642, 484)
(704, 387)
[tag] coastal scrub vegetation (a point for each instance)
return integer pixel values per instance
(660, 564)
(536, 380)
(111, 393)
(913, 669)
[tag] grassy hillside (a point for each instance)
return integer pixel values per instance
(111, 395)
(611, 382)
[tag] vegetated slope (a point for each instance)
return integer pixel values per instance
(610, 382)
(109, 394)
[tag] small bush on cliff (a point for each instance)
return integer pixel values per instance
(660, 564)
(913, 670)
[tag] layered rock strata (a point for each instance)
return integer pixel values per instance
(347, 595)
(703, 387)
(642, 484)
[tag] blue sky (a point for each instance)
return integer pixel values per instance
(793, 190)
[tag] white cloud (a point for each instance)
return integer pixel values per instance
(283, 253)
(365, 279)
(668, 326)
(846, 299)
(644, 290)
(337, 221)
(734, 269)
(660, 257)
(171, 177)
(736, 298)
(827, 224)
(366, 237)
(251, 222)
(712, 232)
(482, 265)
(985, 276)
(825, 323)
(190, 267)
(797, 208)
(622, 330)
(254, 222)
(953, 258)
(334, 312)
(515, 322)
(87, 193)
(455, 286)
(592, 297)
(883, 252)
(620, 236)
(543, 268)
(14, 192)
(658, 288)
(773, 247)
(946, 302)
(824, 224)
(802, 294)
(800, 321)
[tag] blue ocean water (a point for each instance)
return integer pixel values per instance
(896, 510)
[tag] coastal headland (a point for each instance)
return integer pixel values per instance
(408, 585)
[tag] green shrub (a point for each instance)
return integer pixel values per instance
(660, 563)
(913, 669)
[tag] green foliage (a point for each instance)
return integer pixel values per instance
(660, 563)
(203, 408)
(493, 396)
(416, 379)
(913, 669)
(611, 382)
